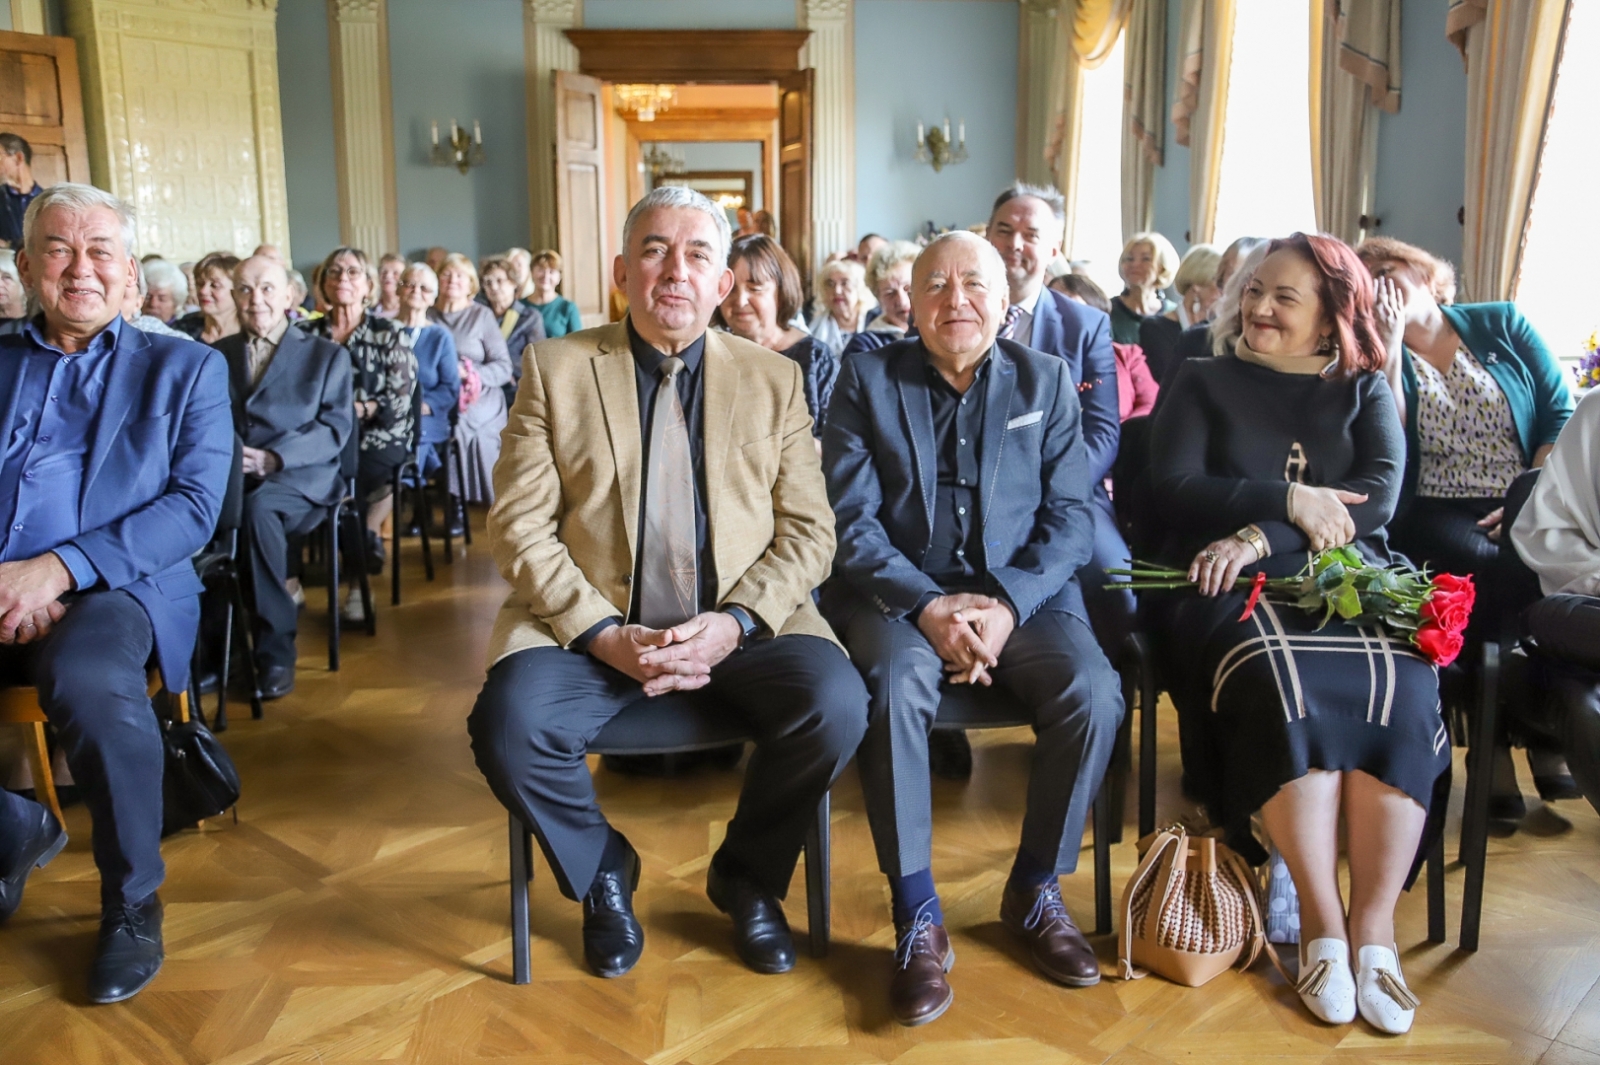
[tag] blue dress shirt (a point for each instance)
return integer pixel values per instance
(47, 420)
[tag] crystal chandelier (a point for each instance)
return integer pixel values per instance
(643, 101)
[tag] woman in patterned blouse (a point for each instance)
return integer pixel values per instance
(385, 379)
(1483, 400)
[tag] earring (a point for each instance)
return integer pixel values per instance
(1325, 345)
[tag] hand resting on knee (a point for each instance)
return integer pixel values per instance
(663, 660)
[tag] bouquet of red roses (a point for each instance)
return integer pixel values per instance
(1431, 612)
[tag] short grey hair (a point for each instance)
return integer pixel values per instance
(1225, 323)
(1051, 197)
(994, 267)
(158, 273)
(422, 268)
(887, 258)
(80, 198)
(679, 196)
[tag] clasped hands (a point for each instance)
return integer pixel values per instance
(968, 632)
(677, 659)
(30, 591)
(1323, 514)
(259, 463)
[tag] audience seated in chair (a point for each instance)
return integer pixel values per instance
(118, 461)
(292, 407)
(987, 593)
(889, 279)
(680, 557)
(482, 352)
(520, 322)
(438, 369)
(1287, 446)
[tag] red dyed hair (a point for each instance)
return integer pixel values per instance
(1346, 293)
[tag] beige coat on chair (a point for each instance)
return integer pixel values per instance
(565, 522)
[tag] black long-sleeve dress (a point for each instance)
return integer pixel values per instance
(1264, 700)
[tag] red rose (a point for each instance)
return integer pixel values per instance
(1439, 644)
(1450, 602)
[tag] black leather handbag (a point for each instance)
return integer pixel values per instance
(200, 780)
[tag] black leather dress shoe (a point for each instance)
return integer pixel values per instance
(950, 755)
(612, 936)
(276, 681)
(760, 930)
(130, 952)
(43, 841)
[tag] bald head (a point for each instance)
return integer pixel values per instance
(261, 289)
(958, 297)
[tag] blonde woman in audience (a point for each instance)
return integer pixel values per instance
(520, 322)
(1147, 265)
(521, 260)
(889, 278)
(218, 315)
(842, 285)
(168, 290)
(13, 299)
(560, 314)
(485, 368)
(386, 304)
(438, 368)
(1198, 289)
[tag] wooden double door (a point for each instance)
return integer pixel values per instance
(41, 100)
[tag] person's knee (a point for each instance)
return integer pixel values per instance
(838, 707)
(507, 736)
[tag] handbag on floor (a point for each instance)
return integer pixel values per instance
(200, 780)
(1189, 911)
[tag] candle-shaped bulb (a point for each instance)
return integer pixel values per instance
(477, 133)
(947, 130)
(436, 134)
(454, 131)
(962, 129)
(919, 135)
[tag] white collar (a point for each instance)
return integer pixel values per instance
(1031, 302)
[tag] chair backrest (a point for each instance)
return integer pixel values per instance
(350, 458)
(1132, 489)
(1520, 584)
(232, 514)
(416, 417)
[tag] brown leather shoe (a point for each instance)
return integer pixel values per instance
(918, 991)
(1058, 948)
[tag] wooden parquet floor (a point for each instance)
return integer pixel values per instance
(358, 912)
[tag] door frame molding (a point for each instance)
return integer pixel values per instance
(715, 56)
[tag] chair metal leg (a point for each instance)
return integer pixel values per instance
(44, 778)
(1475, 816)
(363, 580)
(1148, 699)
(220, 722)
(397, 493)
(448, 510)
(333, 590)
(236, 591)
(461, 499)
(819, 847)
(1435, 875)
(424, 506)
(1102, 862)
(521, 881)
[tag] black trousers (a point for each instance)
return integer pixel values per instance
(1567, 630)
(272, 514)
(541, 707)
(90, 672)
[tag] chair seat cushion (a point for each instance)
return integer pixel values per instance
(671, 724)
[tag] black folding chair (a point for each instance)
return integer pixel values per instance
(346, 511)
(218, 568)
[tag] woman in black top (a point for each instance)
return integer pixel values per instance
(1291, 446)
(765, 297)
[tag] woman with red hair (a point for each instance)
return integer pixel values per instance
(1287, 445)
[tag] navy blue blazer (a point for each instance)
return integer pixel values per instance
(160, 453)
(878, 453)
(1081, 336)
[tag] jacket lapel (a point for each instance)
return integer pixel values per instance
(1046, 325)
(918, 410)
(996, 412)
(124, 378)
(284, 360)
(619, 402)
(720, 374)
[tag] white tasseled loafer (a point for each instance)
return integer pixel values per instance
(1327, 986)
(1381, 992)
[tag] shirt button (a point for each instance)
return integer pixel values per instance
(962, 480)
(963, 443)
(959, 552)
(17, 527)
(28, 476)
(44, 439)
(959, 510)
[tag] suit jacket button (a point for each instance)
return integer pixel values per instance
(627, 578)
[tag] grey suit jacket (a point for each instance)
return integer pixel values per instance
(301, 411)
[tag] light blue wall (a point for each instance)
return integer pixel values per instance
(1172, 177)
(921, 60)
(689, 14)
(305, 93)
(1421, 151)
(444, 66)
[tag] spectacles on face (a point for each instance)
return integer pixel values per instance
(337, 272)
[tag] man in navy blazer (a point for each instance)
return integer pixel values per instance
(958, 474)
(117, 448)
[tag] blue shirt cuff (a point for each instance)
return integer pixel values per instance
(84, 575)
(581, 643)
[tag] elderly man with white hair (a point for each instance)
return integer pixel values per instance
(166, 290)
(960, 483)
(118, 447)
(674, 552)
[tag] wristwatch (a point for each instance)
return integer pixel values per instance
(1253, 536)
(748, 625)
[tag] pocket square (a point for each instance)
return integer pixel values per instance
(1023, 420)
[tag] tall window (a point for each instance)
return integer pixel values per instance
(1097, 225)
(1264, 189)
(1554, 286)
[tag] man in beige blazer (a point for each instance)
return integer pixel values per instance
(661, 516)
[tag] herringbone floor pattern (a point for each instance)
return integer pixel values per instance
(358, 913)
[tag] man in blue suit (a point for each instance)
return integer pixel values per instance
(117, 448)
(958, 474)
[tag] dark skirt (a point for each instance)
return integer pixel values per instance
(1263, 701)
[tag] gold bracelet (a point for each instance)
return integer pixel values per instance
(1289, 503)
(1253, 536)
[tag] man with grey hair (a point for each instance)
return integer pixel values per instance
(675, 552)
(117, 456)
(17, 187)
(959, 539)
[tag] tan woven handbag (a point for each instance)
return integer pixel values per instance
(1190, 910)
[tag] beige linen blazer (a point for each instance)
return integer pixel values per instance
(565, 521)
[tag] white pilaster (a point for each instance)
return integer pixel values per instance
(546, 51)
(358, 37)
(831, 52)
(27, 16)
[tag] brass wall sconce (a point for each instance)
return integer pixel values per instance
(461, 151)
(936, 148)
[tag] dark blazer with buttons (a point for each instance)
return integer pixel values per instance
(878, 454)
(1081, 336)
(301, 410)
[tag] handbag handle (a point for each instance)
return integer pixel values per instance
(1153, 859)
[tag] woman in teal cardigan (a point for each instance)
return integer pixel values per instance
(1483, 400)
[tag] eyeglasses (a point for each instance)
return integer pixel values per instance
(345, 271)
(412, 286)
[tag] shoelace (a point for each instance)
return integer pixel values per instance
(908, 941)
(124, 918)
(1390, 985)
(610, 896)
(1047, 908)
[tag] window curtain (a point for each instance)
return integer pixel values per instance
(1205, 51)
(1355, 71)
(1144, 86)
(1511, 48)
(1087, 30)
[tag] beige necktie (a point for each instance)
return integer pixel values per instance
(668, 583)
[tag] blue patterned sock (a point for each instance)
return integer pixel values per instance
(913, 893)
